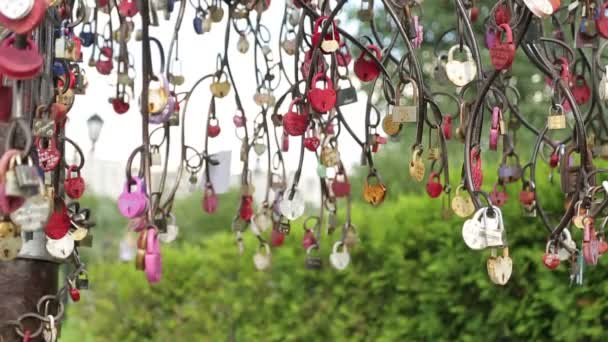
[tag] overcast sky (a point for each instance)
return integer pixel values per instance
(122, 133)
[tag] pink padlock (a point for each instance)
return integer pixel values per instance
(133, 203)
(495, 128)
(238, 119)
(153, 259)
(210, 201)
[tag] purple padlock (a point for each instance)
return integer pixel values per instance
(165, 114)
(153, 260)
(133, 203)
(490, 38)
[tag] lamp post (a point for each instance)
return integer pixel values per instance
(94, 123)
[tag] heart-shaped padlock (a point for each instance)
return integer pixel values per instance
(460, 72)
(551, 258)
(48, 156)
(60, 248)
(74, 183)
(374, 191)
(119, 105)
(210, 200)
(331, 41)
(365, 67)
(322, 100)
(294, 207)
(20, 64)
(128, 8)
(461, 205)
(311, 143)
(153, 260)
(58, 224)
(213, 128)
(133, 203)
(527, 195)
(309, 239)
(262, 258)
(306, 66)
(433, 186)
(238, 119)
(295, 123)
(601, 21)
(502, 53)
(339, 259)
(343, 56)
(499, 197)
(500, 268)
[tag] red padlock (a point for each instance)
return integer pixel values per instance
(554, 159)
(527, 196)
(295, 123)
(447, 127)
(433, 186)
(246, 211)
(58, 224)
(20, 64)
(74, 294)
(331, 41)
(601, 23)
(591, 245)
(213, 128)
(6, 102)
(502, 53)
(502, 15)
(306, 66)
(59, 112)
(476, 172)
(365, 67)
(340, 186)
(581, 90)
(474, 13)
(311, 142)
(551, 258)
(308, 239)
(343, 56)
(29, 22)
(499, 197)
(128, 8)
(377, 140)
(120, 106)
(49, 155)
(322, 100)
(277, 238)
(104, 67)
(74, 183)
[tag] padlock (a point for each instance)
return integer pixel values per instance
(133, 202)
(74, 184)
(365, 67)
(551, 259)
(213, 127)
(343, 55)
(295, 121)
(460, 72)
(27, 176)
(502, 53)
(374, 191)
(340, 185)
(322, 100)
(320, 65)
(433, 186)
(128, 8)
(331, 41)
(416, 166)
(499, 197)
(405, 113)
(346, 95)
(218, 87)
(20, 64)
(509, 172)
(581, 90)
(49, 156)
(22, 17)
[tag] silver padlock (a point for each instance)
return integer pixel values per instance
(28, 177)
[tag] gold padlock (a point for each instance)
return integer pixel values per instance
(416, 166)
(374, 191)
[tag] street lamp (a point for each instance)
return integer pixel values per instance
(95, 123)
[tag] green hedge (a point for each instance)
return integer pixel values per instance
(412, 278)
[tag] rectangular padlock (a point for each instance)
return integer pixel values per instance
(403, 114)
(28, 178)
(557, 121)
(11, 187)
(346, 96)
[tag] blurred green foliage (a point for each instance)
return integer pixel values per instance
(411, 278)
